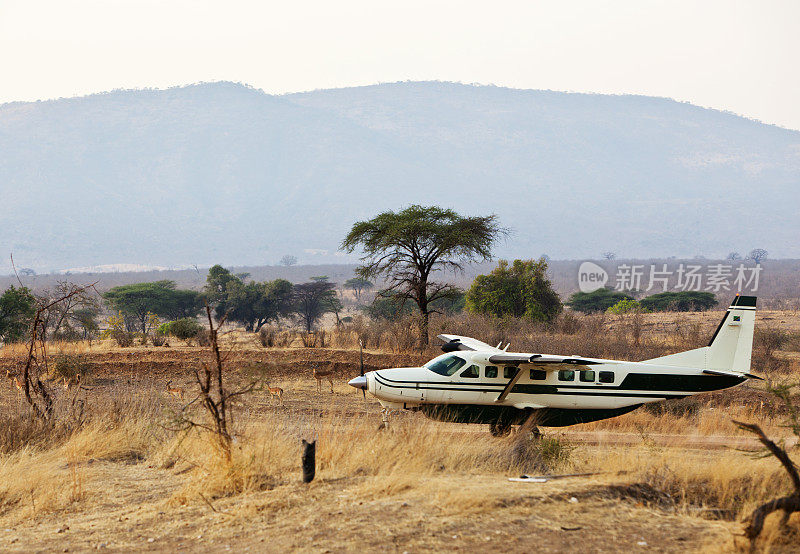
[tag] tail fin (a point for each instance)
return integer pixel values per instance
(731, 345)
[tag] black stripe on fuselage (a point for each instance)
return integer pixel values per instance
(537, 389)
(641, 382)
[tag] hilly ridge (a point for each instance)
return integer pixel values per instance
(223, 172)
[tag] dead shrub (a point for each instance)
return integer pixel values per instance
(309, 340)
(568, 323)
(267, 336)
(203, 338)
(285, 339)
(543, 455)
(70, 366)
(769, 339)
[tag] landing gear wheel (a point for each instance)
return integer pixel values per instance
(499, 428)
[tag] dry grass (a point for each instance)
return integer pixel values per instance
(54, 469)
(267, 454)
(37, 480)
(415, 456)
(727, 484)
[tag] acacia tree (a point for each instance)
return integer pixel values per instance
(409, 246)
(358, 285)
(313, 300)
(137, 301)
(251, 304)
(288, 260)
(758, 255)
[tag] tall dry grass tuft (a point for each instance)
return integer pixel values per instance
(267, 455)
(45, 476)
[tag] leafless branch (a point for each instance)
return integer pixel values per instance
(788, 504)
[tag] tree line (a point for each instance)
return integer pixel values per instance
(409, 251)
(144, 307)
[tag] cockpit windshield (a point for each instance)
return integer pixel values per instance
(446, 366)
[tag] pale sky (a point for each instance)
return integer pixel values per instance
(740, 56)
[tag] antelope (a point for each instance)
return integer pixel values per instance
(17, 383)
(175, 392)
(10, 377)
(71, 382)
(320, 374)
(275, 392)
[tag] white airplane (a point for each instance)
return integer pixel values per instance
(474, 382)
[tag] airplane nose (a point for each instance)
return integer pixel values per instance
(359, 382)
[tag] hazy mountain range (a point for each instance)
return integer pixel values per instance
(225, 173)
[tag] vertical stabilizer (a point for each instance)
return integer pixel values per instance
(730, 347)
(732, 344)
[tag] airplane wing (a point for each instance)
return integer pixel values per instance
(538, 359)
(498, 356)
(456, 342)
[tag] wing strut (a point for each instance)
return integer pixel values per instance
(510, 385)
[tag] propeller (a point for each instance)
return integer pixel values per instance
(360, 382)
(361, 356)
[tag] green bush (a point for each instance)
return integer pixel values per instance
(391, 307)
(625, 307)
(684, 301)
(17, 306)
(185, 328)
(599, 300)
(519, 289)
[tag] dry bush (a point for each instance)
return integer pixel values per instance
(21, 431)
(267, 336)
(69, 366)
(769, 339)
(766, 342)
(311, 340)
(568, 323)
(719, 484)
(203, 338)
(285, 338)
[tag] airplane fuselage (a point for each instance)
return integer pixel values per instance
(560, 396)
(474, 382)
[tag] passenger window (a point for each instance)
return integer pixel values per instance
(606, 377)
(472, 372)
(538, 375)
(587, 376)
(508, 371)
(491, 371)
(566, 375)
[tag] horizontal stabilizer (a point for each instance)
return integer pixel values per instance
(731, 374)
